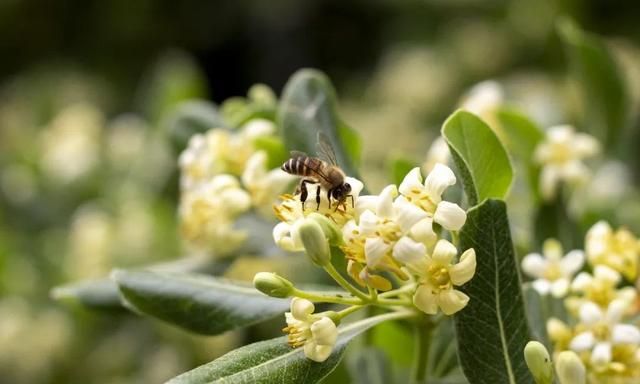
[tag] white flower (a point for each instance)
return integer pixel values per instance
(317, 334)
(602, 331)
(264, 185)
(599, 288)
(619, 249)
(437, 274)
(483, 98)
(438, 153)
(561, 155)
(290, 212)
(553, 272)
(428, 196)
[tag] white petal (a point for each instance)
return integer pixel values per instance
(444, 252)
(317, 353)
(534, 265)
(301, 308)
(541, 286)
(585, 145)
(549, 179)
(552, 249)
(439, 179)
(581, 282)
(282, 238)
(368, 223)
(423, 232)
(367, 202)
(426, 300)
(410, 253)
(601, 353)
(572, 262)
(324, 332)
(450, 216)
(255, 168)
(407, 215)
(625, 334)
(616, 310)
(384, 207)
(452, 301)
(590, 313)
(604, 273)
(412, 181)
(356, 186)
(350, 230)
(465, 269)
(374, 250)
(583, 341)
(559, 288)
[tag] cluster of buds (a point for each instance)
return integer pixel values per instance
(392, 234)
(601, 303)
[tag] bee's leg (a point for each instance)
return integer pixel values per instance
(353, 205)
(303, 192)
(318, 198)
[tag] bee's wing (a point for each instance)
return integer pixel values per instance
(325, 150)
(296, 154)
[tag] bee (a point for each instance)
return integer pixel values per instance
(323, 171)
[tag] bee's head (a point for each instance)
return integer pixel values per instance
(346, 187)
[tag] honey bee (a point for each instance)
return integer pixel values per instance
(323, 171)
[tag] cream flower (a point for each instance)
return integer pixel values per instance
(553, 272)
(561, 155)
(264, 185)
(428, 196)
(599, 288)
(438, 153)
(290, 212)
(600, 330)
(484, 98)
(437, 274)
(619, 250)
(207, 214)
(371, 241)
(317, 334)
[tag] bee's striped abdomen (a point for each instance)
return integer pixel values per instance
(302, 166)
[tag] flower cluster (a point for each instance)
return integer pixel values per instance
(391, 243)
(600, 309)
(224, 174)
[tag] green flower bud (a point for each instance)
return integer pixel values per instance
(330, 229)
(272, 285)
(314, 241)
(570, 368)
(261, 94)
(539, 362)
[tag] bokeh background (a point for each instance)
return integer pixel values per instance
(88, 177)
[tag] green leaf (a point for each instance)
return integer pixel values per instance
(197, 303)
(521, 134)
(96, 294)
(492, 329)
(479, 156)
(189, 118)
(443, 356)
(399, 167)
(604, 96)
(273, 361)
(369, 365)
(308, 106)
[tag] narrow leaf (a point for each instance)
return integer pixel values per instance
(308, 106)
(479, 156)
(492, 329)
(96, 294)
(197, 303)
(273, 361)
(604, 95)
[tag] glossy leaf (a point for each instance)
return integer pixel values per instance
(522, 135)
(480, 158)
(197, 303)
(604, 95)
(189, 118)
(492, 329)
(308, 106)
(273, 361)
(95, 294)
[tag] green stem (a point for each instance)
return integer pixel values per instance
(404, 289)
(326, 298)
(455, 238)
(423, 330)
(331, 270)
(373, 294)
(347, 311)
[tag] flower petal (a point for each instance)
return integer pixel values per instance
(585, 145)
(549, 179)
(324, 331)
(616, 310)
(407, 215)
(282, 238)
(560, 287)
(444, 252)
(425, 299)
(534, 265)
(572, 262)
(583, 341)
(604, 273)
(465, 269)
(439, 179)
(317, 353)
(301, 308)
(356, 186)
(423, 232)
(412, 181)
(384, 206)
(581, 282)
(374, 250)
(552, 249)
(364, 203)
(452, 301)
(542, 286)
(590, 313)
(625, 334)
(411, 253)
(368, 223)
(601, 353)
(450, 216)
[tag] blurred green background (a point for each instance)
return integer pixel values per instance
(88, 177)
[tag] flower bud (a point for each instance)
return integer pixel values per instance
(570, 368)
(314, 241)
(539, 362)
(272, 285)
(330, 229)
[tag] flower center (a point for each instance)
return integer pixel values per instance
(601, 331)
(298, 333)
(439, 276)
(421, 199)
(553, 272)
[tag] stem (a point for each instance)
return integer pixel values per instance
(423, 330)
(347, 311)
(404, 289)
(331, 270)
(326, 298)
(373, 293)
(455, 238)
